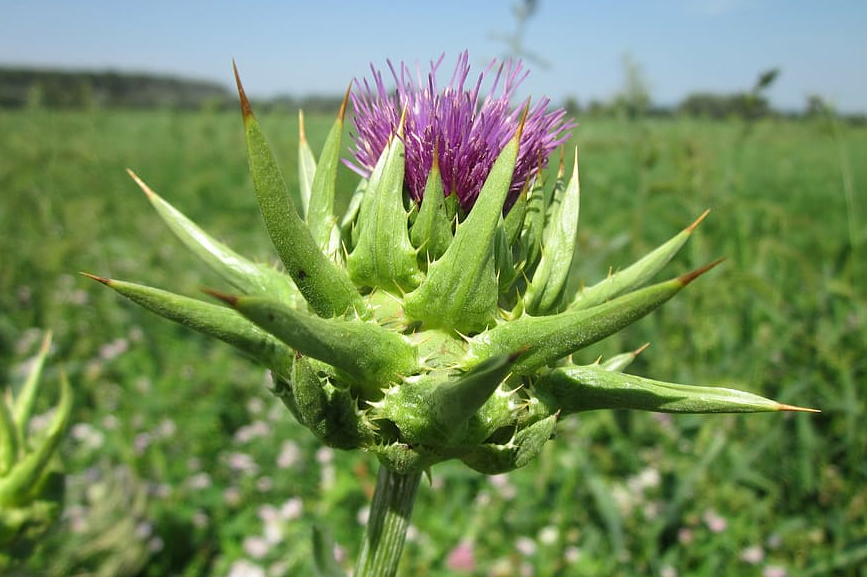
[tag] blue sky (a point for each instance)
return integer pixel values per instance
(305, 48)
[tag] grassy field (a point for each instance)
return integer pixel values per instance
(181, 463)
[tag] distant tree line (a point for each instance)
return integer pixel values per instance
(25, 87)
(22, 87)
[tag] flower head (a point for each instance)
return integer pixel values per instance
(463, 129)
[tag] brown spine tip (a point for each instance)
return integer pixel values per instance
(302, 136)
(246, 109)
(342, 112)
(46, 343)
(401, 125)
(102, 279)
(697, 222)
(230, 300)
(782, 407)
(640, 349)
(145, 188)
(561, 169)
(515, 355)
(691, 276)
(524, 114)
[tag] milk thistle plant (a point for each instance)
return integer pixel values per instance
(434, 320)
(31, 484)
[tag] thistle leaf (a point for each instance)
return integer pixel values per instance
(586, 388)
(210, 319)
(320, 214)
(432, 230)
(383, 256)
(437, 411)
(534, 223)
(9, 438)
(545, 293)
(328, 411)
(492, 459)
(548, 339)
(324, 285)
(347, 229)
(618, 363)
(635, 275)
(243, 274)
(460, 291)
(22, 408)
(306, 169)
(26, 474)
(514, 220)
(370, 356)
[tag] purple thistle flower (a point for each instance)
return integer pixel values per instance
(467, 131)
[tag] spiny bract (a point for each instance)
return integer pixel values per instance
(31, 484)
(432, 321)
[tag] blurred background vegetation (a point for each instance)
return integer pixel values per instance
(180, 462)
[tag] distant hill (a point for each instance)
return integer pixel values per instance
(80, 89)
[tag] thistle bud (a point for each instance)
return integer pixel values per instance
(434, 320)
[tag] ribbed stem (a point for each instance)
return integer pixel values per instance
(386, 527)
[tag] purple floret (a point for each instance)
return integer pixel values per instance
(468, 132)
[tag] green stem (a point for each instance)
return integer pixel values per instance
(386, 527)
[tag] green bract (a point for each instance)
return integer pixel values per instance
(420, 336)
(31, 485)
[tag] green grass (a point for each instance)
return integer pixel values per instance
(169, 413)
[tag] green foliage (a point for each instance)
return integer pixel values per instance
(620, 494)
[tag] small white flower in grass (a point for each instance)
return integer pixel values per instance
(363, 515)
(89, 436)
(252, 431)
(200, 519)
(667, 571)
(504, 488)
(572, 554)
(267, 513)
(292, 509)
(527, 570)
(199, 481)
(549, 535)
(685, 536)
(264, 484)
(160, 490)
(412, 533)
(339, 553)
(256, 547)
(623, 498)
(714, 522)
(649, 478)
(232, 496)
(141, 442)
(144, 530)
(244, 568)
(774, 541)
(525, 546)
(324, 455)
(289, 454)
(255, 406)
(753, 555)
(167, 428)
(243, 462)
(774, 571)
